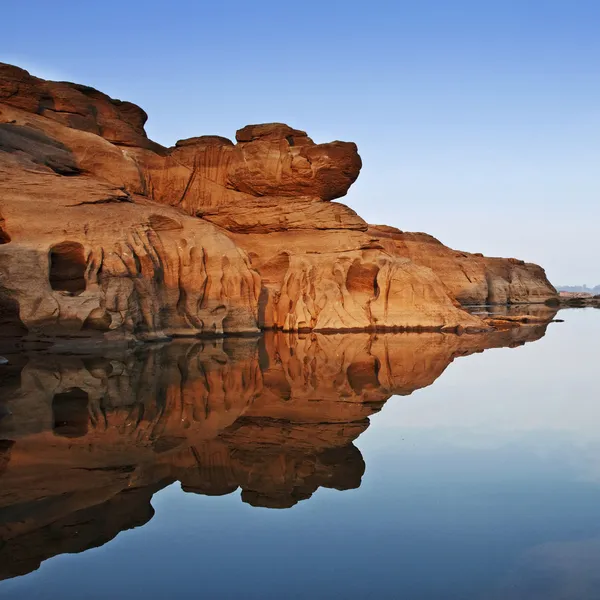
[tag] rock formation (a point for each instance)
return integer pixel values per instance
(86, 440)
(106, 233)
(472, 278)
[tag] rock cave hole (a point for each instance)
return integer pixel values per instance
(362, 279)
(67, 267)
(364, 375)
(4, 237)
(228, 324)
(70, 413)
(10, 320)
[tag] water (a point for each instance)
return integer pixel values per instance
(479, 478)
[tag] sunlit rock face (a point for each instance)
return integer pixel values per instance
(106, 234)
(86, 440)
(472, 278)
(99, 262)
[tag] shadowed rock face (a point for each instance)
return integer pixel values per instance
(86, 440)
(106, 234)
(76, 106)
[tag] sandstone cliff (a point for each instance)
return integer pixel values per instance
(106, 233)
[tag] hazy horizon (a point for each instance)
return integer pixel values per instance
(476, 124)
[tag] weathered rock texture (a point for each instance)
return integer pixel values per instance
(472, 278)
(104, 232)
(85, 441)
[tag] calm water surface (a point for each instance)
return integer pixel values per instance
(248, 469)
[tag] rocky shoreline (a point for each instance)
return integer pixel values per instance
(577, 302)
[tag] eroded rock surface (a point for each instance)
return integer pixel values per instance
(472, 278)
(86, 255)
(105, 233)
(76, 106)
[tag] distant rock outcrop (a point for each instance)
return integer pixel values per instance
(104, 232)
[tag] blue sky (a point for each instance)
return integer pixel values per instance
(478, 122)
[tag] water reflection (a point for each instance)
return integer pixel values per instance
(85, 441)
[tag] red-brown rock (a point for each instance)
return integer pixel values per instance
(104, 232)
(76, 106)
(472, 278)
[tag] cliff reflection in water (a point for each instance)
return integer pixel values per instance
(86, 441)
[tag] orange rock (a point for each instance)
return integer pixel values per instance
(103, 232)
(101, 260)
(76, 106)
(472, 278)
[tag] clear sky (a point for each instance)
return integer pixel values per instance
(477, 121)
